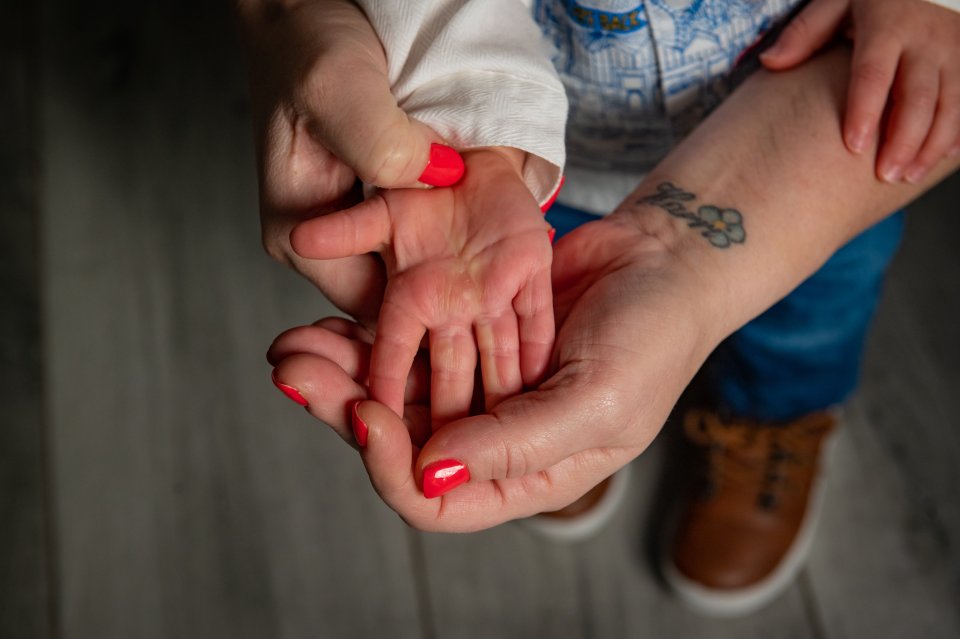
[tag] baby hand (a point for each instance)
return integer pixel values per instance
(468, 264)
(905, 51)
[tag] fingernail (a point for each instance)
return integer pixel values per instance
(444, 168)
(915, 174)
(441, 477)
(857, 141)
(954, 152)
(289, 391)
(892, 173)
(360, 429)
(552, 234)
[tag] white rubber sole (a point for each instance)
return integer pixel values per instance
(737, 603)
(578, 529)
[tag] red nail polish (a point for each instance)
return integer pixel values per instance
(441, 477)
(553, 197)
(360, 429)
(289, 391)
(445, 167)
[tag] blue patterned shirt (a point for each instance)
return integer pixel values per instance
(640, 75)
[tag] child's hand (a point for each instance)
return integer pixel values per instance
(470, 264)
(912, 46)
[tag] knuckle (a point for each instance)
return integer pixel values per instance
(871, 73)
(515, 460)
(391, 157)
(921, 98)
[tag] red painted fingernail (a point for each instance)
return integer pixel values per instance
(552, 233)
(289, 391)
(360, 429)
(445, 167)
(553, 197)
(441, 477)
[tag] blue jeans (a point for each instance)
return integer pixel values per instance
(803, 354)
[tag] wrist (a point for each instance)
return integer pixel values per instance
(701, 277)
(513, 157)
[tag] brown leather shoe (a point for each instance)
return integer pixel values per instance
(744, 533)
(588, 515)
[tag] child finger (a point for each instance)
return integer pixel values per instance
(944, 133)
(807, 32)
(915, 100)
(394, 351)
(360, 229)
(872, 72)
(498, 342)
(535, 318)
(453, 363)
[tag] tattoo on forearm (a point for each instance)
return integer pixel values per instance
(721, 227)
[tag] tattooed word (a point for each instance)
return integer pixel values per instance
(721, 227)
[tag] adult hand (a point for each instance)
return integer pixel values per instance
(324, 116)
(632, 334)
(641, 298)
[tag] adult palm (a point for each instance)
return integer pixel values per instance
(630, 337)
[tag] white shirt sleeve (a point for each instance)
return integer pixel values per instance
(947, 4)
(479, 73)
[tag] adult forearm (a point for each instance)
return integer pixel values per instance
(773, 153)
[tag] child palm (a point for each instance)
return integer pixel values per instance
(470, 265)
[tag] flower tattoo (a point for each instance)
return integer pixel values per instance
(721, 227)
(726, 226)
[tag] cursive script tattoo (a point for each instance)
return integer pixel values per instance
(722, 227)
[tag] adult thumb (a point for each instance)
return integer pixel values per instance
(353, 114)
(522, 436)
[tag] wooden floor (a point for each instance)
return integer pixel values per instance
(154, 484)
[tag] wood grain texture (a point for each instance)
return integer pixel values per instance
(509, 582)
(194, 500)
(25, 563)
(887, 561)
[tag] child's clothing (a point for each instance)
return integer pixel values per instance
(639, 76)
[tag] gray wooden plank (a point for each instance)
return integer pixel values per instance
(193, 499)
(508, 582)
(876, 571)
(888, 560)
(24, 561)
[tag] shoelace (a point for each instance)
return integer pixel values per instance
(760, 460)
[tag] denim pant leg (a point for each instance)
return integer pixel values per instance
(803, 354)
(565, 218)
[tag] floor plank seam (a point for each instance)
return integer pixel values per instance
(49, 539)
(421, 582)
(811, 606)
